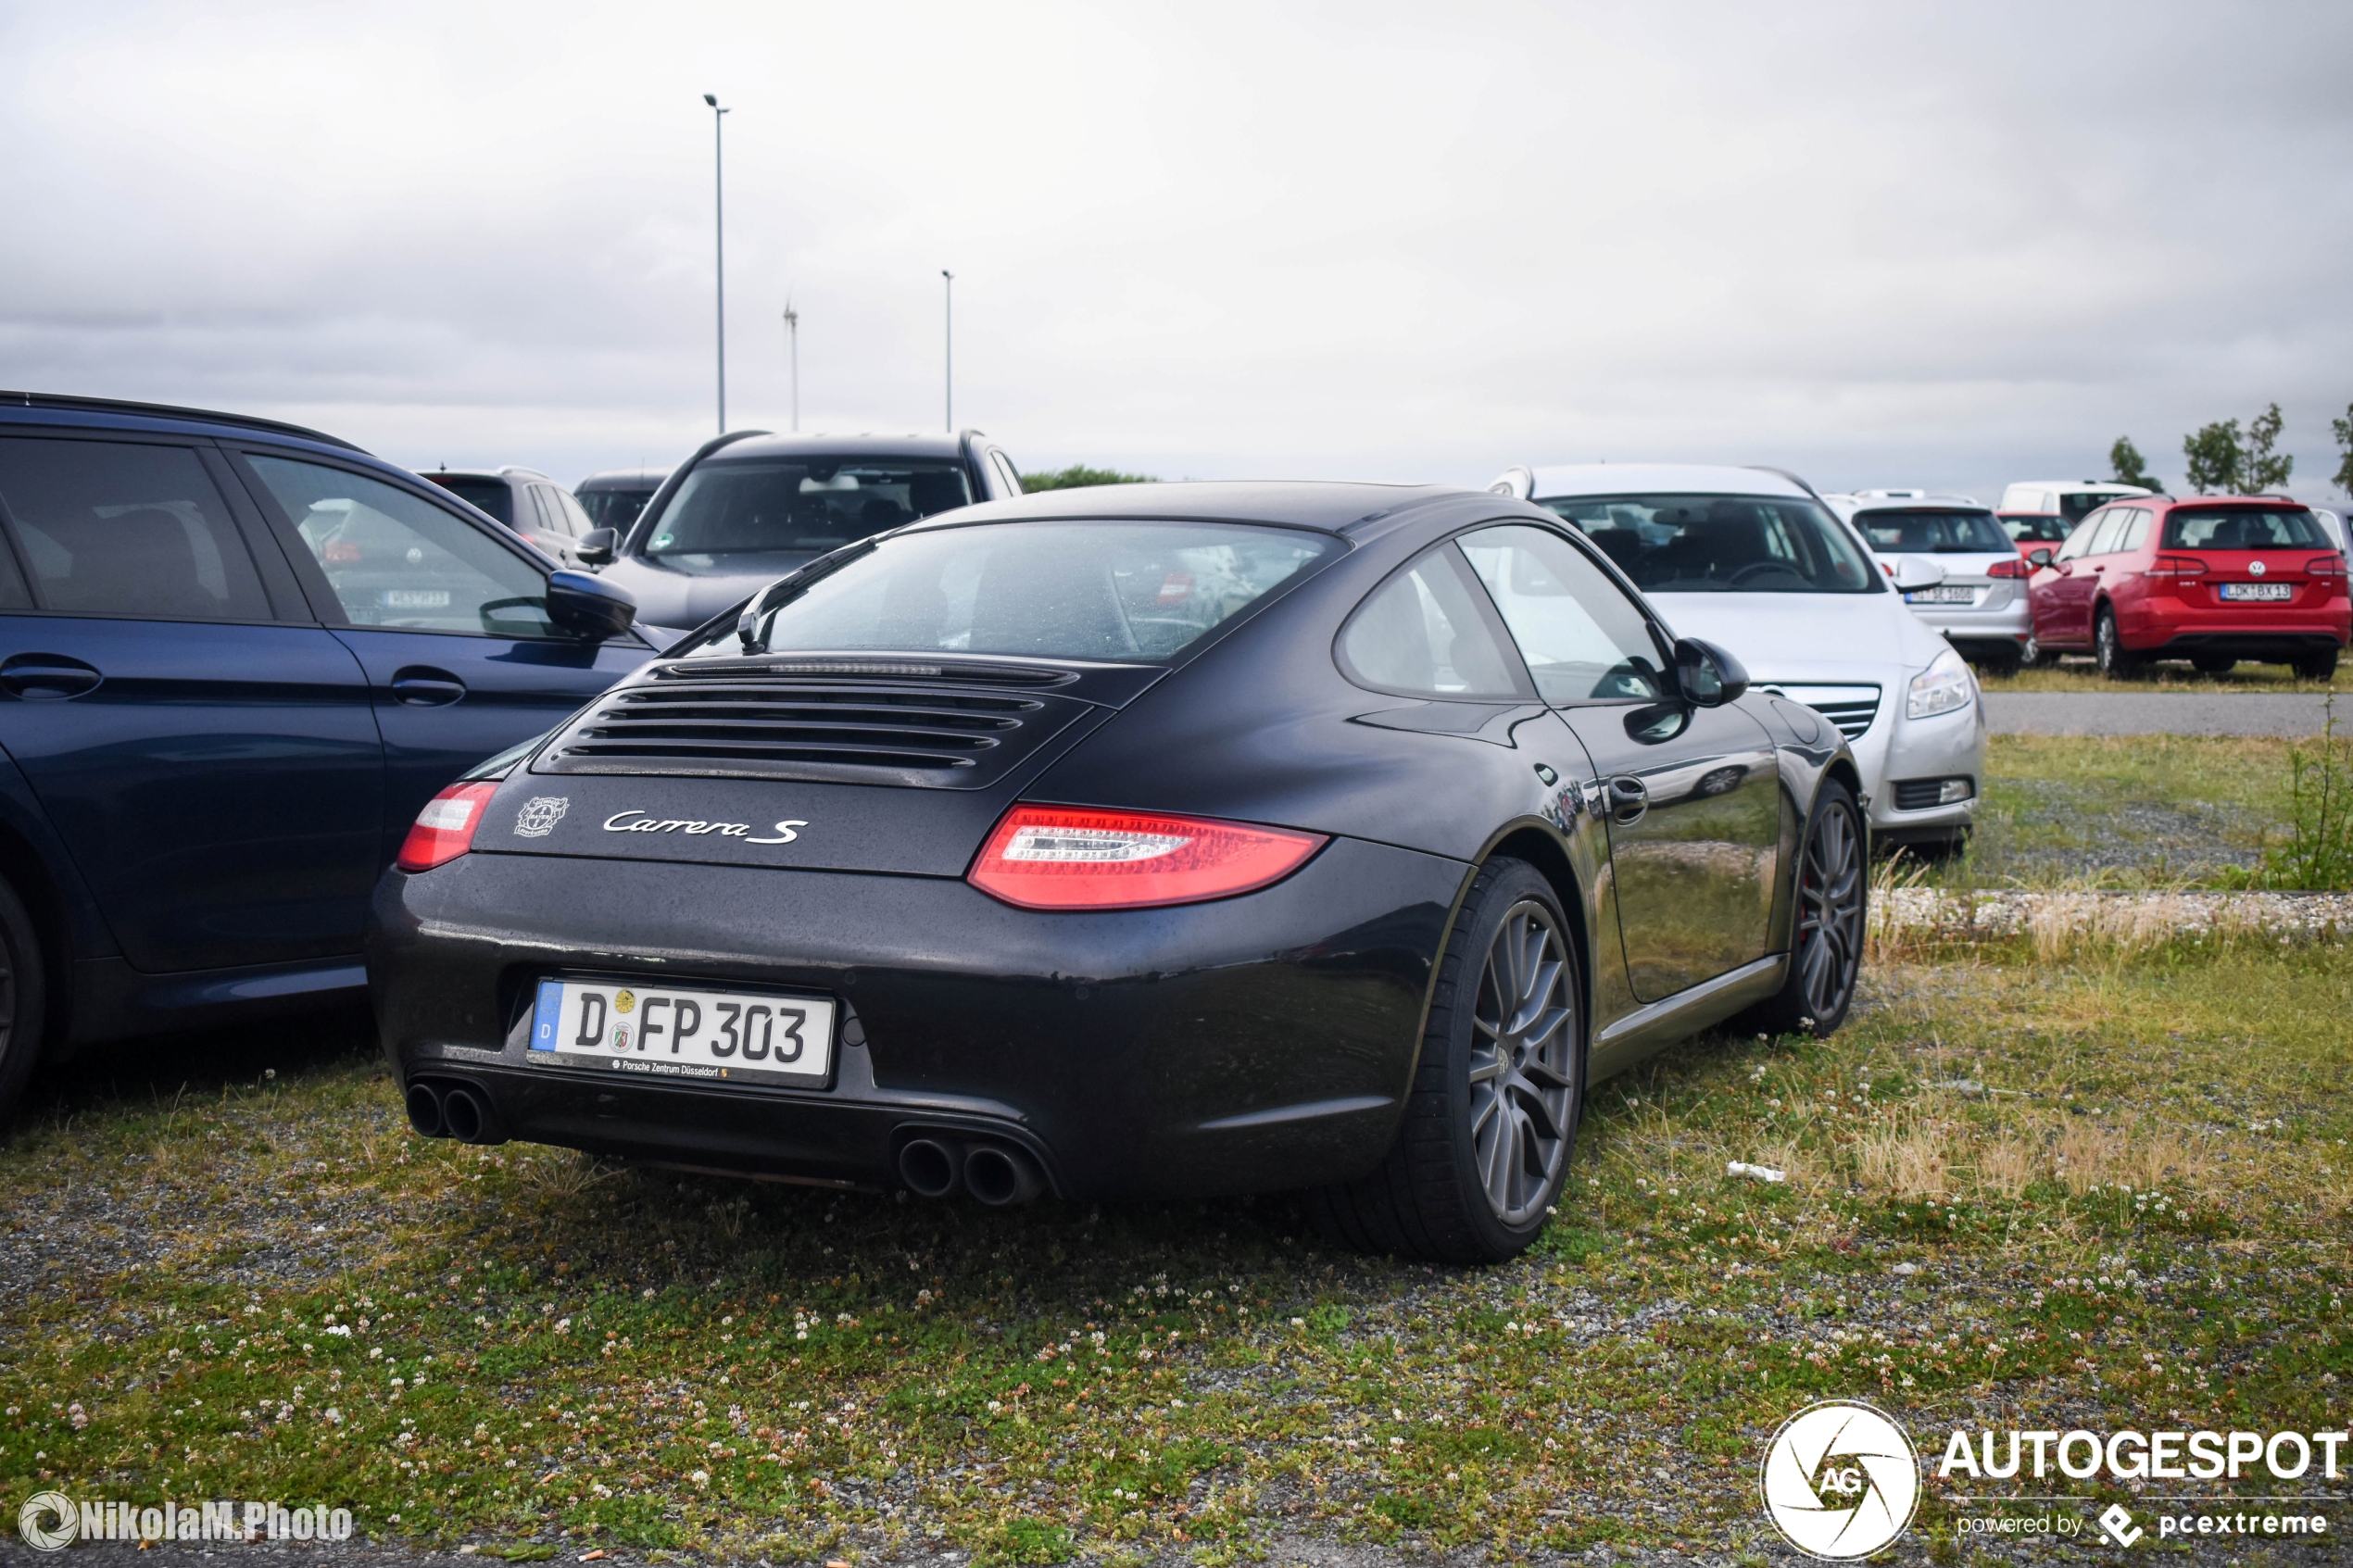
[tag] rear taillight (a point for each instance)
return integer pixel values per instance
(2324, 566)
(2177, 566)
(1076, 857)
(2010, 569)
(445, 829)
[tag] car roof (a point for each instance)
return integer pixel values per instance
(1334, 505)
(2100, 486)
(864, 444)
(513, 471)
(113, 413)
(624, 479)
(1662, 479)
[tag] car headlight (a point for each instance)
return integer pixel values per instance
(1941, 687)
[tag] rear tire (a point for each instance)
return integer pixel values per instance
(1491, 1116)
(2213, 663)
(2315, 666)
(1831, 894)
(2108, 651)
(2036, 655)
(24, 997)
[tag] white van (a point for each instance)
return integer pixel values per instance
(2073, 499)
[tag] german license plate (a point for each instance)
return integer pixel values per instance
(673, 1032)
(1949, 594)
(2273, 591)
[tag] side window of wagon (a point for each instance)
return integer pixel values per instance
(124, 528)
(1427, 631)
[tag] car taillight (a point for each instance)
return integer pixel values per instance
(2010, 569)
(445, 829)
(2324, 566)
(2177, 566)
(1077, 858)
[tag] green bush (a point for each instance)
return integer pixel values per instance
(1079, 476)
(2318, 855)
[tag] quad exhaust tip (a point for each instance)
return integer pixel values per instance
(997, 1174)
(446, 1109)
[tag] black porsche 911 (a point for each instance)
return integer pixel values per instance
(1144, 841)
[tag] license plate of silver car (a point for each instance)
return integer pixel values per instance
(689, 1034)
(1948, 594)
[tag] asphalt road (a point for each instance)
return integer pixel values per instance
(2159, 713)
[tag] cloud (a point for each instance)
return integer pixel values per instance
(1880, 244)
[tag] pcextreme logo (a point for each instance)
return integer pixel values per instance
(1841, 1480)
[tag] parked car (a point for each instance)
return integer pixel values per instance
(236, 657)
(1142, 840)
(2070, 498)
(525, 500)
(750, 507)
(613, 498)
(1752, 559)
(2029, 530)
(2213, 579)
(1978, 599)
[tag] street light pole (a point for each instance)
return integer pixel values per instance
(719, 227)
(950, 337)
(792, 326)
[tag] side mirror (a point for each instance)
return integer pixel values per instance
(2039, 557)
(1912, 574)
(596, 545)
(589, 607)
(1707, 676)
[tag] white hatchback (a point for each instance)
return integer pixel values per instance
(1973, 580)
(1752, 559)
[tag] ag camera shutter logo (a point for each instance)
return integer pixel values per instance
(1840, 1481)
(48, 1522)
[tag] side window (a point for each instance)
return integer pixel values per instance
(576, 519)
(2111, 527)
(1423, 633)
(122, 528)
(1582, 637)
(2136, 529)
(2079, 544)
(397, 560)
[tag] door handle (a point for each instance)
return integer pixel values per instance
(421, 685)
(47, 677)
(1629, 799)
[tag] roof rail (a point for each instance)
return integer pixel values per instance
(64, 403)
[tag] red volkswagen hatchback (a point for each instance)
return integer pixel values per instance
(2213, 580)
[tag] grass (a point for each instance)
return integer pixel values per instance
(2079, 675)
(2118, 1190)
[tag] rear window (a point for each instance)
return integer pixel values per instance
(490, 494)
(1723, 543)
(1114, 591)
(1933, 530)
(812, 503)
(2243, 528)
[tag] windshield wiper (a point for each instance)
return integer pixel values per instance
(788, 588)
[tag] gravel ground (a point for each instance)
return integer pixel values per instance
(2138, 919)
(2156, 713)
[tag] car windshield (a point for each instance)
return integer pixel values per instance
(613, 509)
(1936, 530)
(801, 503)
(2036, 528)
(2243, 528)
(490, 494)
(1117, 590)
(1722, 544)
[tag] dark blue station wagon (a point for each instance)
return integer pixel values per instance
(237, 658)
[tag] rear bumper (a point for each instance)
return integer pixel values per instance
(1249, 1045)
(2244, 644)
(2170, 628)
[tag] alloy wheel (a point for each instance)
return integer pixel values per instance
(1830, 911)
(1523, 1086)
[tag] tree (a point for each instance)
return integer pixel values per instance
(1079, 476)
(2220, 458)
(2260, 469)
(2344, 429)
(2130, 466)
(2214, 456)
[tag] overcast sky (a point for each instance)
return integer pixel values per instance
(1878, 244)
